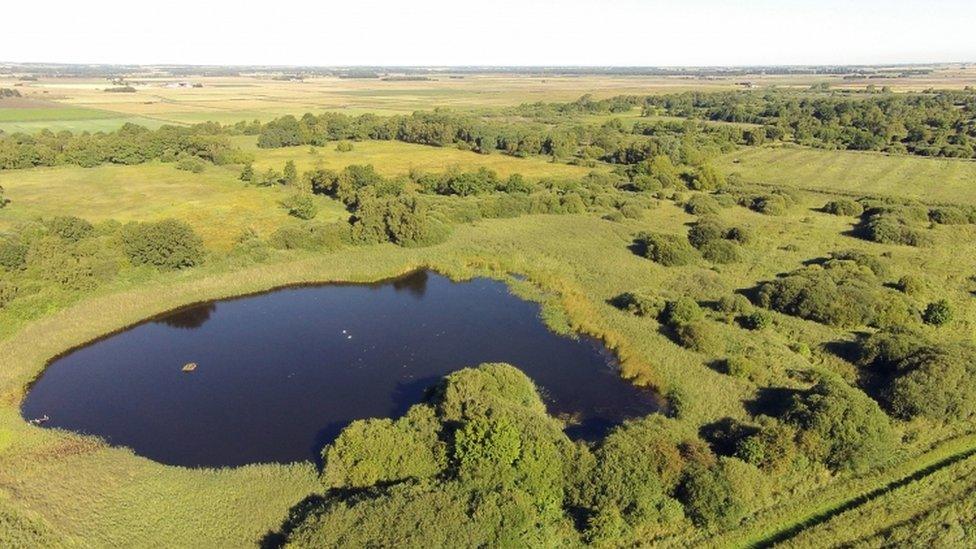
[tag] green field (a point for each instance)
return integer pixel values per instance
(564, 240)
(215, 202)
(52, 114)
(394, 158)
(931, 180)
(580, 260)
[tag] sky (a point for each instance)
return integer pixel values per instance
(490, 32)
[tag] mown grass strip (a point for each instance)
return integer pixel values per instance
(845, 496)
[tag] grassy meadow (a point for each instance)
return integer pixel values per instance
(395, 158)
(215, 201)
(574, 264)
(931, 180)
(65, 489)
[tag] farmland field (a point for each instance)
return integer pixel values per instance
(250, 97)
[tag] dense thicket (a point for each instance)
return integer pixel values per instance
(130, 144)
(481, 463)
(920, 378)
(841, 427)
(647, 144)
(169, 244)
(929, 124)
(840, 292)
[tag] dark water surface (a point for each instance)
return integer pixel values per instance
(280, 374)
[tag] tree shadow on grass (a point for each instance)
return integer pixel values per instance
(771, 401)
(274, 539)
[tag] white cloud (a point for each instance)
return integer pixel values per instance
(503, 32)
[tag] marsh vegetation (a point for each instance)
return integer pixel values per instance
(790, 269)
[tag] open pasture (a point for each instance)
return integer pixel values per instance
(395, 158)
(215, 202)
(933, 180)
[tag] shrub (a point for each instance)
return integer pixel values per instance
(168, 244)
(707, 178)
(343, 146)
(310, 237)
(893, 226)
(8, 292)
(666, 249)
(678, 402)
(919, 378)
(756, 320)
(702, 204)
(948, 215)
(289, 175)
(700, 336)
(936, 382)
(911, 284)
(938, 313)
(636, 466)
(301, 205)
(839, 293)
(13, 255)
(770, 447)
(844, 206)
(841, 427)
(707, 229)
(631, 210)
(638, 304)
(247, 174)
(373, 451)
(709, 498)
(191, 164)
(740, 367)
(682, 311)
(721, 251)
(769, 204)
(572, 203)
(863, 259)
(70, 228)
(740, 234)
(410, 224)
(734, 303)
(802, 349)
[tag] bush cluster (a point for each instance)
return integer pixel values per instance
(167, 244)
(844, 207)
(841, 427)
(776, 202)
(301, 205)
(920, 378)
(837, 292)
(938, 313)
(887, 223)
(667, 249)
(717, 242)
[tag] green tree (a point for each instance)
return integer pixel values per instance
(301, 205)
(247, 174)
(290, 175)
(938, 313)
(168, 244)
(842, 427)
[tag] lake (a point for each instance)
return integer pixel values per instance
(279, 374)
